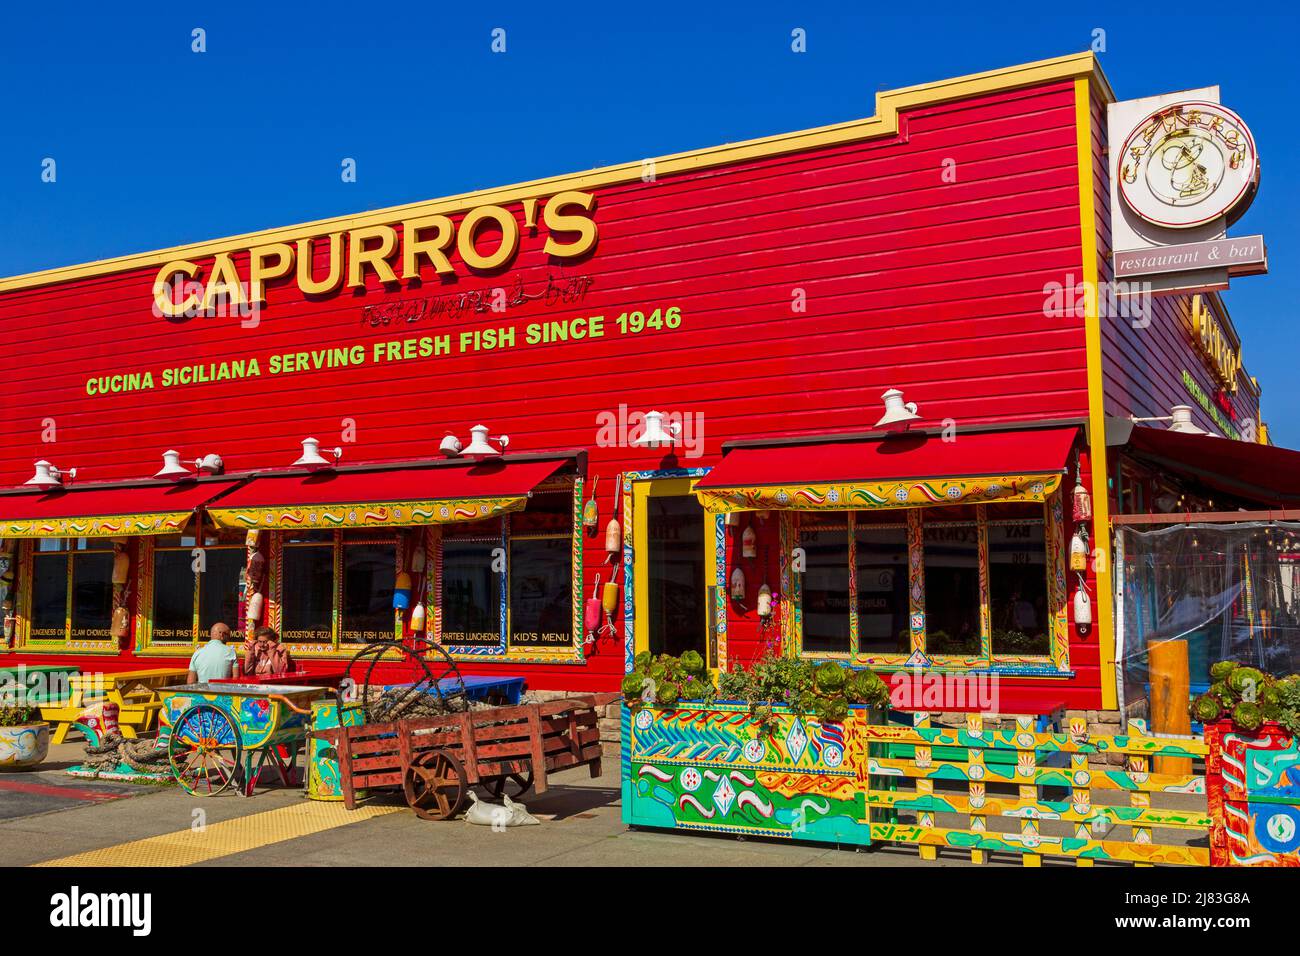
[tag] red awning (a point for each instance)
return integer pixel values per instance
(374, 497)
(106, 510)
(896, 471)
(1262, 473)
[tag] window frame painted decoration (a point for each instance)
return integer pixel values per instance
(338, 541)
(28, 549)
(1056, 661)
(503, 650)
(146, 578)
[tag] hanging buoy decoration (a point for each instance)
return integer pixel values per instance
(1079, 549)
(749, 543)
(609, 599)
(1082, 500)
(592, 612)
(254, 611)
(590, 513)
(613, 539)
(764, 602)
(1082, 608)
(121, 562)
(402, 592)
(256, 570)
(417, 617)
(121, 621)
(737, 584)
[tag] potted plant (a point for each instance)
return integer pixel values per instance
(1252, 778)
(24, 737)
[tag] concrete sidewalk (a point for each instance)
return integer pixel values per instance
(580, 826)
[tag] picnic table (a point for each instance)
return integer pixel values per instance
(136, 694)
(36, 684)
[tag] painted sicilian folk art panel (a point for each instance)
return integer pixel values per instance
(1254, 793)
(718, 769)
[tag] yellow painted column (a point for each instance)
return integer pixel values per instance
(1104, 628)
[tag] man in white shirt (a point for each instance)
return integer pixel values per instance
(214, 659)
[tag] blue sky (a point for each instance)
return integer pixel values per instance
(157, 145)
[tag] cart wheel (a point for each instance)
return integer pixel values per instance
(435, 785)
(204, 750)
(519, 784)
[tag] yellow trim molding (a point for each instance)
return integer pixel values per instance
(1104, 631)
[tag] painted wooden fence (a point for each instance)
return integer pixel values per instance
(1062, 807)
(869, 781)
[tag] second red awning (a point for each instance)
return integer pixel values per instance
(895, 471)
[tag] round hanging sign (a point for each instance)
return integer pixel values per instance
(1187, 164)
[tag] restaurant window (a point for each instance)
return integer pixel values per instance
(472, 583)
(369, 574)
(307, 587)
(881, 539)
(527, 558)
(1018, 597)
(196, 586)
(71, 590)
(961, 558)
(541, 573)
(825, 542)
(336, 587)
(951, 561)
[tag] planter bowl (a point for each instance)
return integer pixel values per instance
(24, 746)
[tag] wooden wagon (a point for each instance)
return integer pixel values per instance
(435, 760)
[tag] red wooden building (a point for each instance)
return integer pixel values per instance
(763, 295)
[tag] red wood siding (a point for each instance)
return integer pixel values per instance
(936, 287)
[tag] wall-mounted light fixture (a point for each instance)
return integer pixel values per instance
(450, 446)
(655, 434)
(172, 468)
(897, 412)
(48, 476)
(210, 465)
(480, 443)
(312, 459)
(1179, 419)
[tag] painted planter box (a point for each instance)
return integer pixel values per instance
(1253, 788)
(323, 780)
(23, 746)
(712, 769)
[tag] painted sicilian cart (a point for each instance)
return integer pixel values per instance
(720, 768)
(1253, 783)
(217, 735)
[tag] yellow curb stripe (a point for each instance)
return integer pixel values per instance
(187, 847)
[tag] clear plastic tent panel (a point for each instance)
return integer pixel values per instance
(1225, 591)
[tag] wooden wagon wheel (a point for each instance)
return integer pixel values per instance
(520, 783)
(435, 785)
(204, 750)
(434, 671)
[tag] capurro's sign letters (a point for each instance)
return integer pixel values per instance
(184, 288)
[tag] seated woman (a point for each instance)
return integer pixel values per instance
(264, 654)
